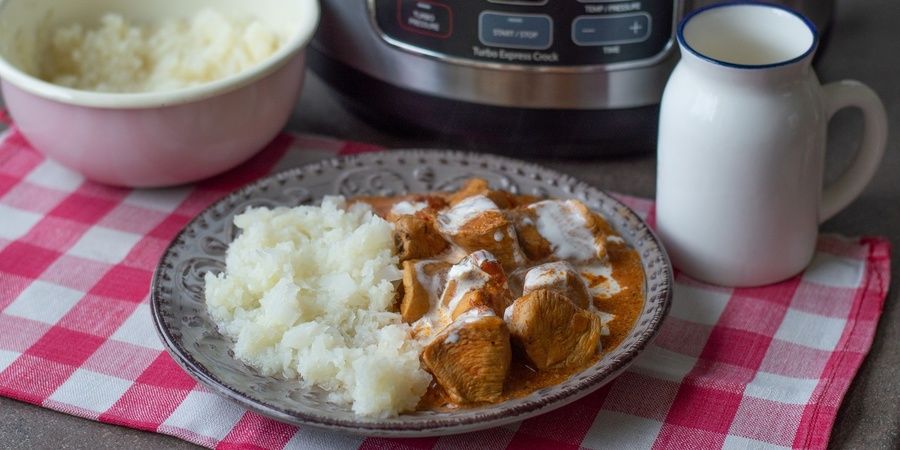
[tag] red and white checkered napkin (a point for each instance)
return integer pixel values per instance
(755, 368)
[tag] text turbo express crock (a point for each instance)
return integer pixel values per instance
(585, 75)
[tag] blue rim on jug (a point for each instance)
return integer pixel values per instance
(812, 28)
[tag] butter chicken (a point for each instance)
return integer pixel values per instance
(509, 293)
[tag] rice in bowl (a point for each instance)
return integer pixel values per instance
(125, 56)
(307, 294)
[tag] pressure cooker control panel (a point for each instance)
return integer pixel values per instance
(529, 32)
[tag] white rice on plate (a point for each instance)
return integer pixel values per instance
(306, 294)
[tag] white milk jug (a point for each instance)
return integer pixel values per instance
(742, 146)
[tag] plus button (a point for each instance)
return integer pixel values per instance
(636, 27)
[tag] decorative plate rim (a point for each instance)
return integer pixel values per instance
(493, 416)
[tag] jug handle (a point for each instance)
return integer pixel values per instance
(853, 94)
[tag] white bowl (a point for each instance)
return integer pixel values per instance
(153, 138)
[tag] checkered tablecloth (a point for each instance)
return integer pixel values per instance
(737, 368)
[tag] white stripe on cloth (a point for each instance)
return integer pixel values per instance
(810, 330)
(311, 438)
(91, 390)
(206, 414)
(613, 430)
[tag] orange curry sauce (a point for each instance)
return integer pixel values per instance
(523, 379)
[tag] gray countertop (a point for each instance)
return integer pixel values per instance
(862, 45)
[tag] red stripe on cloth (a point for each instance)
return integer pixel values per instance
(641, 395)
(879, 260)
(829, 301)
(679, 437)
(55, 234)
(11, 286)
(144, 407)
(7, 183)
(17, 158)
(843, 247)
(767, 421)
(222, 445)
(20, 333)
(87, 209)
(752, 315)
(258, 432)
(32, 379)
(75, 272)
(736, 347)
(113, 193)
(682, 336)
(98, 316)
(171, 225)
(70, 409)
(794, 360)
(780, 293)
(561, 428)
(165, 373)
(748, 348)
(642, 206)
(538, 442)
(132, 219)
(65, 346)
(818, 416)
(26, 260)
(699, 409)
(124, 283)
(373, 443)
(147, 252)
(257, 167)
(355, 148)
(196, 202)
(29, 196)
(711, 393)
(651, 217)
(121, 359)
(493, 438)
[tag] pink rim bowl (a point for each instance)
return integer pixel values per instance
(161, 138)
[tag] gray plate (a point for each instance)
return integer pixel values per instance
(191, 337)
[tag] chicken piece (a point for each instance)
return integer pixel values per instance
(559, 277)
(524, 200)
(414, 205)
(476, 281)
(390, 208)
(381, 206)
(478, 186)
(552, 331)
(470, 358)
(564, 229)
(516, 281)
(416, 237)
(595, 222)
(535, 247)
(476, 223)
(423, 283)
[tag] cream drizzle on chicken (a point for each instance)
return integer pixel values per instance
(491, 272)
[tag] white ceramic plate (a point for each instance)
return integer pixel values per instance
(191, 337)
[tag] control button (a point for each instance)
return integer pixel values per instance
(426, 17)
(526, 31)
(611, 30)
